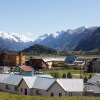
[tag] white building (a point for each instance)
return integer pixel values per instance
(40, 85)
(93, 86)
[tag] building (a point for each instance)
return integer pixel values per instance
(80, 61)
(54, 62)
(41, 85)
(92, 87)
(70, 59)
(5, 69)
(24, 70)
(11, 59)
(94, 65)
(37, 64)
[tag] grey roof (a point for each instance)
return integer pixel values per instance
(94, 79)
(43, 83)
(30, 81)
(39, 82)
(10, 79)
(71, 84)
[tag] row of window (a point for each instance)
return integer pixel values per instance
(16, 88)
(60, 94)
(52, 94)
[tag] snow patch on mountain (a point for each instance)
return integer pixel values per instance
(77, 30)
(42, 37)
(55, 35)
(21, 37)
(5, 35)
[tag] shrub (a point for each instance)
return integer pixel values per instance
(69, 75)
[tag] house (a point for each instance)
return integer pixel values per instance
(41, 85)
(80, 61)
(55, 62)
(24, 70)
(37, 64)
(70, 59)
(8, 58)
(92, 87)
(5, 69)
(94, 65)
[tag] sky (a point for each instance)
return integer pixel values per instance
(36, 17)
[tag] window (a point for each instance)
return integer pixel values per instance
(21, 90)
(7, 87)
(52, 94)
(16, 88)
(38, 92)
(60, 94)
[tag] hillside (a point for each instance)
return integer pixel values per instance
(39, 49)
(90, 43)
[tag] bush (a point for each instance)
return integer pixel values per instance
(64, 75)
(85, 79)
(90, 76)
(69, 75)
(55, 74)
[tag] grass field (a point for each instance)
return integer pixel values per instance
(72, 72)
(8, 96)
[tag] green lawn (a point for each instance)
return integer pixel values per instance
(63, 71)
(72, 72)
(8, 96)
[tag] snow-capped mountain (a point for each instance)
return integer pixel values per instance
(13, 42)
(41, 38)
(21, 37)
(66, 40)
(77, 30)
(46, 38)
(16, 38)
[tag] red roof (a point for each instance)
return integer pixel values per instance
(26, 68)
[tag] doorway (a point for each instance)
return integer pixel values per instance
(25, 91)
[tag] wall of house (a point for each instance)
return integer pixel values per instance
(55, 89)
(49, 64)
(22, 88)
(96, 66)
(72, 93)
(40, 92)
(57, 63)
(11, 88)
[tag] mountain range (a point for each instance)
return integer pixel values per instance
(65, 40)
(76, 39)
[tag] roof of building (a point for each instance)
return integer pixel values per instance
(94, 79)
(70, 59)
(38, 81)
(42, 82)
(26, 68)
(71, 84)
(53, 59)
(10, 79)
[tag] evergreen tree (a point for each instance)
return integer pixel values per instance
(55, 74)
(64, 75)
(69, 75)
